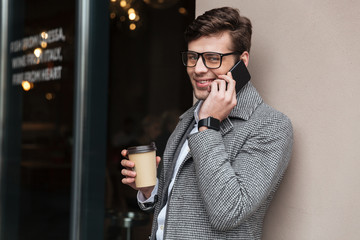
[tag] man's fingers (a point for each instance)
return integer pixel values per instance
(124, 152)
(231, 82)
(128, 180)
(222, 85)
(158, 159)
(127, 163)
(128, 173)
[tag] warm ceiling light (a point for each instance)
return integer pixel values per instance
(132, 16)
(123, 3)
(182, 10)
(49, 96)
(131, 10)
(132, 26)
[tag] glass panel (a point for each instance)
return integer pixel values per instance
(42, 60)
(148, 90)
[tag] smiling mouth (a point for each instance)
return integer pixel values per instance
(204, 81)
(203, 84)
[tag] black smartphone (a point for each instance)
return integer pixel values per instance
(240, 74)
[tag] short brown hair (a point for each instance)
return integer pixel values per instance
(218, 20)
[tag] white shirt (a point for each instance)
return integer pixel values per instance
(184, 151)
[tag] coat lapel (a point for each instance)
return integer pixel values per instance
(172, 152)
(175, 139)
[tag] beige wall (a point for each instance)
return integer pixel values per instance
(305, 61)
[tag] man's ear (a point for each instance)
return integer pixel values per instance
(245, 58)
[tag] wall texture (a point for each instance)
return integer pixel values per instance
(305, 61)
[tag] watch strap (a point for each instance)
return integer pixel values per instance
(209, 122)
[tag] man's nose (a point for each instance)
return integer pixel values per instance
(200, 66)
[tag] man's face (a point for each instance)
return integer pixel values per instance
(201, 76)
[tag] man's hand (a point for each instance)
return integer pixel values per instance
(129, 174)
(221, 99)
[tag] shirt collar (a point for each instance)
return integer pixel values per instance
(196, 111)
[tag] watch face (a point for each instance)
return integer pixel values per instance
(214, 123)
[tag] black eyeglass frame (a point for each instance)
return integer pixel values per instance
(202, 57)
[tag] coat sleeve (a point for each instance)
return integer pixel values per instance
(233, 189)
(148, 205)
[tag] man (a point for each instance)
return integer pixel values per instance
(217, 181)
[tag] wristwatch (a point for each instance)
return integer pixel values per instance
(210, 122)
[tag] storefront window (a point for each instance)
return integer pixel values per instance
(42, 72)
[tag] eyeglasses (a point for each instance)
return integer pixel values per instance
(211, 60)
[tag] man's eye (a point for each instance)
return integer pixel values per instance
(192, 57)
(212, 58)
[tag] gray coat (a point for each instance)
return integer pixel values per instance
(226, 182)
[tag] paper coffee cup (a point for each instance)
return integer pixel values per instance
(144, 158)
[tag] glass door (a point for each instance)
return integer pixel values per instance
(40, 94)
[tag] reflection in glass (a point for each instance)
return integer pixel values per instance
(44, 35)
(44, 57)
(37, 52)
(43, 44)
(26, 85)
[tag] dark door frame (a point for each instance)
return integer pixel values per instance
(89, 154)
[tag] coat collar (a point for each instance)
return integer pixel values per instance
(248, 99)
